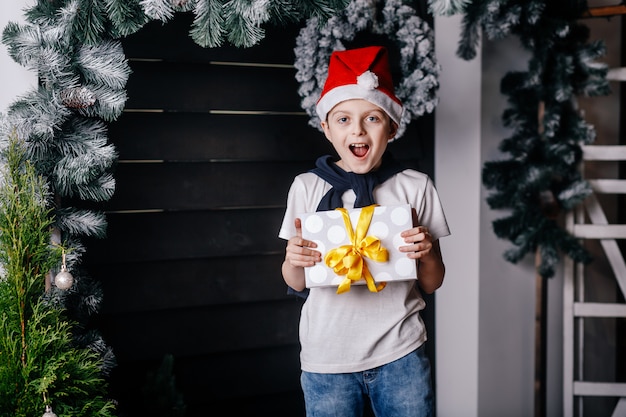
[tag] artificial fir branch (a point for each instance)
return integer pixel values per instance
(91, 19)
(127, 17)
(36, 114)
(206, 29)
(284, 11)
(323, 9)
(103, 64)
(244, 18)
(82, 222)
(162, 10)
(23, 43)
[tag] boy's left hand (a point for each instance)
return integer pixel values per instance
(419, 242)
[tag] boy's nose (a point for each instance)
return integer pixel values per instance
(357, 129)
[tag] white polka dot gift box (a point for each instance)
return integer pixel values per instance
(359, 247)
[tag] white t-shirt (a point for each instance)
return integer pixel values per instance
(359, 329)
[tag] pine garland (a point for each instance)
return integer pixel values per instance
(541, 179)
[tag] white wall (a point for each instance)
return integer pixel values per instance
(486, 309)
(15, 79)
(507, 292)
(457, 177)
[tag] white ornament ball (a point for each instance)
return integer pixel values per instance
(63, 280)
(49, 412)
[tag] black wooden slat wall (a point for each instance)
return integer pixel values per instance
(208, 146)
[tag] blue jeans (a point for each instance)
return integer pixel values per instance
(401, 388)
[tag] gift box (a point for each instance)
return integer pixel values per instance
(359, 246)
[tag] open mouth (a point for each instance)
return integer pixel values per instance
(359, 149)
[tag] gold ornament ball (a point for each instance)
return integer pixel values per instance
(63, 280)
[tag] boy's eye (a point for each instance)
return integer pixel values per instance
(342, 119)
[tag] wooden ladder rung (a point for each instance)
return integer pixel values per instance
(604, 11)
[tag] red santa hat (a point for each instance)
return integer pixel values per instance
(360, 73)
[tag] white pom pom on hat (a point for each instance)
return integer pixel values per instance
(361, 73)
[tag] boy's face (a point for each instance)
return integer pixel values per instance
(359, 131)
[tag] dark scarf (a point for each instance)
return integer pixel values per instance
(342, 181)
(362, 184)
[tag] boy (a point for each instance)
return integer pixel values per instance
(360, 343)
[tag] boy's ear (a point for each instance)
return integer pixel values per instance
(325, 129)
(393, 129)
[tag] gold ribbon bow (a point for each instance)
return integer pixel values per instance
(348, 259)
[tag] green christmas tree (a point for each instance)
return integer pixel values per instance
(40, 362)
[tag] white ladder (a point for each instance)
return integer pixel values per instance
(576, 309)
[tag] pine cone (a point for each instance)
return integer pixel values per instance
(78, 97)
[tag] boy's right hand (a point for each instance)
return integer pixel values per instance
(299, 252)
